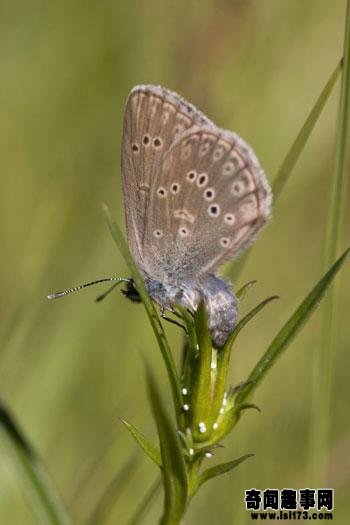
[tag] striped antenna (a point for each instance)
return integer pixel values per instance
(77, 288)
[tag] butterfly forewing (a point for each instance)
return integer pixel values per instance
(154, 119)
(195, 195)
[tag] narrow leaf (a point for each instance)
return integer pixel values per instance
(241, 293)
(298, 145)
(204, 382)
(148, 447)
(213, 405)
(246, 406)
(220, 469)
(143, 506)
(190, 327)
(189, 351)
(248, 317)
(151, 312)
(202, 330)
(294, 153)
(324, 367)
(174, 466)
(289, 330)
(38, 487)
(112, 492)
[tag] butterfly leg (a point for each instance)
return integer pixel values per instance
(170, 320)
(102, 296)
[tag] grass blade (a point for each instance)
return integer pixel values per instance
(111, 493)
(289, 330)
(145, 503)
(174, 466)
(294, 153)
(242, 292)
(148, 447)
(323, 377)
(218, 470)
(151, 312)
(298, 145)
(38, 487)
(248, 317)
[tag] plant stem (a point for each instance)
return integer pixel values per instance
(323, 377)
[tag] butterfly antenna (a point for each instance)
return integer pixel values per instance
(107, 292)
(77, 288)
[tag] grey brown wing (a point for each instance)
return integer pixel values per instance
(154, 120)
(210, 199)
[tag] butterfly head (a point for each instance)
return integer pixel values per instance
(130, 292)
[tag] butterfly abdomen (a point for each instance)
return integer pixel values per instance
(219, 300)
(221, 306)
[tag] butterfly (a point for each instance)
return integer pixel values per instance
(195, 196)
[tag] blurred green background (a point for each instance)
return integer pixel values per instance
(69, 368)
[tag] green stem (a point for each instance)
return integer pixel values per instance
(324, 369)
(152, 316)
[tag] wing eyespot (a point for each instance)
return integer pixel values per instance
(161, 192)
(183, 231)
(228, 168)
(191, 176)
(237, 188)
(157, 142)
(230, 218)
(209, 194)
(214, 210)
(218, 153)
(224, 242)
(202, 180)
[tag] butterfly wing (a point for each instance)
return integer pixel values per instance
(154, 119)
(195, 194)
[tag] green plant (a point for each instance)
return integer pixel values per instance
(182, 456)
(206, 407)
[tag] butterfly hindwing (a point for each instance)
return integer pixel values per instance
(209, 200)
(195, 194)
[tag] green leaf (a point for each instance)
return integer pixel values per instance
(174, 466)
(203, 377)
(218, 470)
(152, 315)
(226, 351)
(39, 489)
(143, 506)
(241, 293)
(246, 406)
(112, 492)
(298, 145)
(202, 330)
(324, 362)
(248, 317)
(289, 331)
(190, 327)
(223, 366)
(189, 352)
(148, 447)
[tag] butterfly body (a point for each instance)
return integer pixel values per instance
(195, 196)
